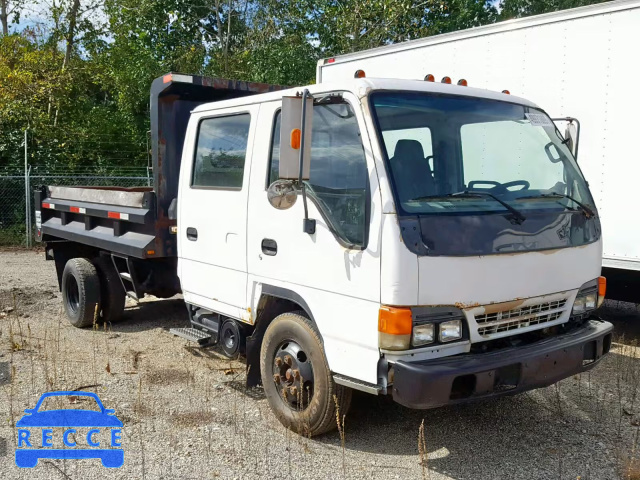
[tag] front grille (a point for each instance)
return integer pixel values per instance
(499, 322)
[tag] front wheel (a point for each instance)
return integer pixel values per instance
(296, 377)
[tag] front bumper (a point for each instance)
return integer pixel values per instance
(467, 377)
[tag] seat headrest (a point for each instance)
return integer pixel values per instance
(408, 149)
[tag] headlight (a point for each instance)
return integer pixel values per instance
(423, 334)
(585, 302)
(579, 306)
(590, 301)
(587, 299)
(451, 330)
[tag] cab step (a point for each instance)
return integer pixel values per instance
(193, 335)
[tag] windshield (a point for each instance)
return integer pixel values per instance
(456, 155)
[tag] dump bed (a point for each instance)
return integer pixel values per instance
(136, 221)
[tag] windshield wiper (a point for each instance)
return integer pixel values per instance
(588, 212)
(519, 217)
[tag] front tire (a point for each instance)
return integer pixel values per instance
(80, 292)
(296, 377)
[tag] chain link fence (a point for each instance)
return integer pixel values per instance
(17, 190)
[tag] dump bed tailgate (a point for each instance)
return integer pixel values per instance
(118, 220)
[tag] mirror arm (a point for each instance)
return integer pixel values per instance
(308, 225)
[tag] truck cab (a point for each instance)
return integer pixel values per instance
(455, 251)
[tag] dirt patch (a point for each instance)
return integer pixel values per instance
(5, 373)
(169, 376)
(192, 419)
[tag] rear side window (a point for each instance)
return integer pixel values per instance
(220, 151)
(338, 179)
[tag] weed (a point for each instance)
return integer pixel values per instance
(341, 431)
(422, 449)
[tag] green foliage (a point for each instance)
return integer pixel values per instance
(80, 83)
(524, 8)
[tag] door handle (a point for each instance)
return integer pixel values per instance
(269, 247)
(192, 234)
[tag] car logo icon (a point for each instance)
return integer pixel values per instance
(96, 422)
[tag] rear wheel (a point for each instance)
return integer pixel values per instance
(296, 377)
(80, 292)
(112, 294)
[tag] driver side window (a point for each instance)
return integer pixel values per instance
(338, 179)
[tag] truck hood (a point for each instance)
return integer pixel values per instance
(482, 280)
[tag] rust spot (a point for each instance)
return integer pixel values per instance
(503, 307)
(463, 306)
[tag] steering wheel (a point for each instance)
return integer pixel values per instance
(515, 183)
(500, 187)
(482, 182)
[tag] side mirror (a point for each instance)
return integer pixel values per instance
(571, 133)
(282, 194)
(293, 127)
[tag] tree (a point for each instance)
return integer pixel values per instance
(9, 8)
(523, 8)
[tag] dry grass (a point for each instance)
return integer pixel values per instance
(341, 431)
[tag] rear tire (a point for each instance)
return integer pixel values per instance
(112, 294)
(80, 292)
(296, 377)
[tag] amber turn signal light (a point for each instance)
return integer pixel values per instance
(602, 290)
(296, 136)
(394, 328)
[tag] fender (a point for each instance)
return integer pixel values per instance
(285, 301)
(287, 294)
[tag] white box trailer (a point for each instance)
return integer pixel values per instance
(578, 63)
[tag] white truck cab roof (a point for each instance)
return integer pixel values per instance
(362, 86)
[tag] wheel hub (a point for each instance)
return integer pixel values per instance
(230, 338)
(293, 375)
(73, 294)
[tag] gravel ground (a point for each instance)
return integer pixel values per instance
(186, 413)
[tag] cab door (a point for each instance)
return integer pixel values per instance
(335, 272)
(212, 219)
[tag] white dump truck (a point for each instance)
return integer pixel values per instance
(433, 242)
(578, 64)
